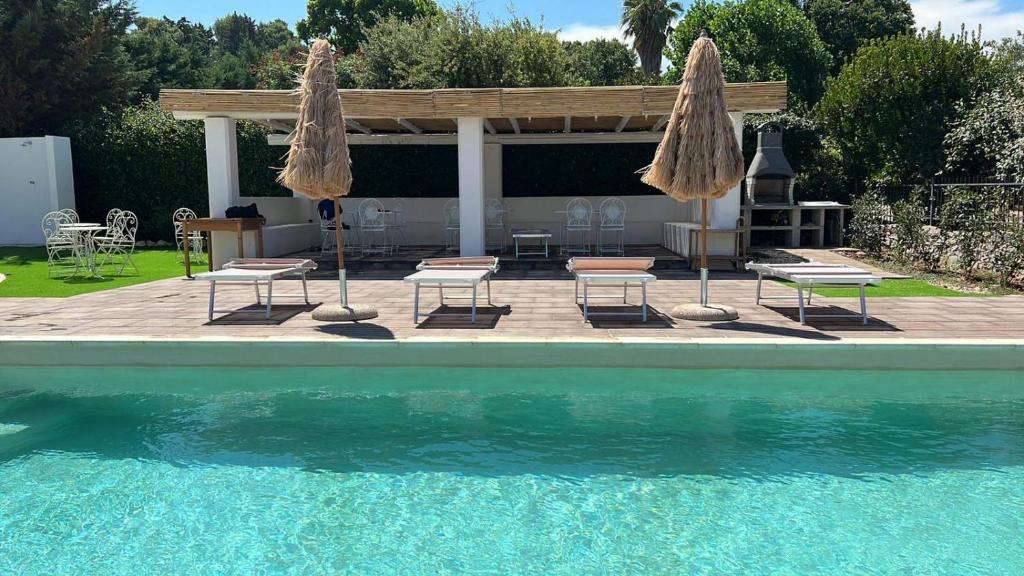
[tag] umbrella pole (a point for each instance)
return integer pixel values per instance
(704, 252)
(340, 238)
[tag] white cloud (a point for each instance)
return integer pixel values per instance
(584, 32)
(996, 18)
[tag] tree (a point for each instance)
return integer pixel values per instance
(235, 32)
(648, 22)
(241, 48)
(600, 62)
(62, 59)
(891, 105)
(760, 40)
(168, 54)
(988, 137)
(344, 22)
(455, 50)
(845, 26)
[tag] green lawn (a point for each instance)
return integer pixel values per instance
(27, 275)
(904, 287)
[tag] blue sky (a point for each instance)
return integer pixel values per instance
(584, 19)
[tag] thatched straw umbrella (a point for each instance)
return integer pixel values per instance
(319, 165)
(699, 157)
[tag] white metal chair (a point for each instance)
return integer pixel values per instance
(494, 225)
(451, 225)
(612, 213)
(71, 215)
(119, 242)
(195, 239)
(578, 213)
(61, 251)
(395, 223)
(112, 215)
(373, 230)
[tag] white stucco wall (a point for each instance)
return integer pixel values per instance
(644, 215)
(35, 178)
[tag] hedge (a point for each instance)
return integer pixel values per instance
(140, 159)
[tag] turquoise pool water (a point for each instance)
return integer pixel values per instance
(510, 472)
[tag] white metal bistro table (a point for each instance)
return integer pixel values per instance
(449, 278)
(541, 235)
(84, 234)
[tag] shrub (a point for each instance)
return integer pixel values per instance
(868, 229)
(969, 218)
(910, 241)
(1008, 253)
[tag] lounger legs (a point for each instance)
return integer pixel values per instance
(256, 286)
(416, 305)
(757, 295)
(472, 314)
(586, 307)
(800, 297)
(213, 292)
(643, 290)
(270, 297)
(863, 305)
(305, 291)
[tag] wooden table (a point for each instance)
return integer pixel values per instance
(210, 225)
(693, 251)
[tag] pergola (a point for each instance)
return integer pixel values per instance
(474, 119)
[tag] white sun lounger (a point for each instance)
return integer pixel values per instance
(811, 275)
(614, 272)
(256, 271)
(444, 273)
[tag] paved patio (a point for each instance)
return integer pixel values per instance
(533, 306)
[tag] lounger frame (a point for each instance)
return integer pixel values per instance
(451, 281)
(256, 271)
(811, 275)
(488, 266)
(612, 280)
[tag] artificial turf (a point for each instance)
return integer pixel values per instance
(27, 274)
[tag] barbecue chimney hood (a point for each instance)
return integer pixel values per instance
(770, 177)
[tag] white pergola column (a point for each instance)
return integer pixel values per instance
(221, 164)
(726, 210)
(471, 186)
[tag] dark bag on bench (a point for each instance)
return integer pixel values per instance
(250, 211)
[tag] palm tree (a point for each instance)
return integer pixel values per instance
(647, 21)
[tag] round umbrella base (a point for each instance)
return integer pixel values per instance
(339, 313)
(709, 313)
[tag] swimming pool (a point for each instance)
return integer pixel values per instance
(510, 471)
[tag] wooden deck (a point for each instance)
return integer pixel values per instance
(530, 305)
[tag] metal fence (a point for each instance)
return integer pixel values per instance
(933, 194)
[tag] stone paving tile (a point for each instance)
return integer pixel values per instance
(538, 309)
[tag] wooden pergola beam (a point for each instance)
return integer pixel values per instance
(622, 123)
(489, 127)
(515, 125)
(660, 123)
(568, 124)
(357, 126)
(409, 126)
(468, 102)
